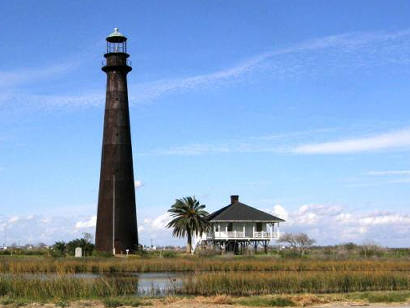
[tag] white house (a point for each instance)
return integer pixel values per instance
(238, 225)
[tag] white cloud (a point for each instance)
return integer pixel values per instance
(392, 140)
(380, 218)
(330, 224)
(13, 219)
(35, 228)
(14, 78)
(280, 212)
(90, 223)
(294, 60)
(158, 223)
(343, 43)
(155, 229)
(49, 102)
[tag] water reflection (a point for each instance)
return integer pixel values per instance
(146, 284)
(158, 284)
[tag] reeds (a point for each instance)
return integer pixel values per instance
(229, 283)
(16, 286)
(258, 283)
(190, 264)
(239, 276)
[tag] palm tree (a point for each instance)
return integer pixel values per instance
(188, 218)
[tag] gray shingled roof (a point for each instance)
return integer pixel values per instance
(241, 212)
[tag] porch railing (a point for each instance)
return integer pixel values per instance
(241, 234)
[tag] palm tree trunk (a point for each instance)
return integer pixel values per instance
(189, 242)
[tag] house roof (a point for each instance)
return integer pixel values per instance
(237, 211)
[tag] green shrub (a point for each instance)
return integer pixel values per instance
(169, 254)
(6, 301)
(383, 297)
(123, 301)
(112, 302)
(102, 254)
(267, 302)
(62, 303)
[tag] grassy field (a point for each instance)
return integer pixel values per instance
(228, 277)
(257, 283)
(231, 283)
(18, 265)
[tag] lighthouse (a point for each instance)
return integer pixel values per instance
(116, 230)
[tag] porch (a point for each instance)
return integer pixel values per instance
(242, 235)
(246, 231)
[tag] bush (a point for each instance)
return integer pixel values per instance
(112, 302)
(267, 302)
(169, 254)
(102, 254)
(87, 247)
(58, 249)
(289, 253)
(207, 251)
(126, 301)
(383, 297)
(62, 303)
(371, 250)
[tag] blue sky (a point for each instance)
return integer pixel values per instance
(300, 107)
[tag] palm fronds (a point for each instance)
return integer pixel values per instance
(188, 218)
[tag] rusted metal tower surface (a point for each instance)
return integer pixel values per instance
(116, 218)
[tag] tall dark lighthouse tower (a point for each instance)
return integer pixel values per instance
(116, 219)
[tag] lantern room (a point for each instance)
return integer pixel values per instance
(116, 42)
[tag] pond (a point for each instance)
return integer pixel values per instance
(147, 284)
(159, 284)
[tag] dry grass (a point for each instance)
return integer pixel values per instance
(258, 283)
(218, 279)
(62, 287)
(186, 264)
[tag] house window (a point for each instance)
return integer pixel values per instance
(258, 227)
(230, 227)
(216, 228)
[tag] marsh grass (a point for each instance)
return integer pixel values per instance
(219, 276)
(64, 288)
(259, 283)
(190, 264)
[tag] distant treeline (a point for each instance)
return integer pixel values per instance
(341, 251)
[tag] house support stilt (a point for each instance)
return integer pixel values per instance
(238, 246)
